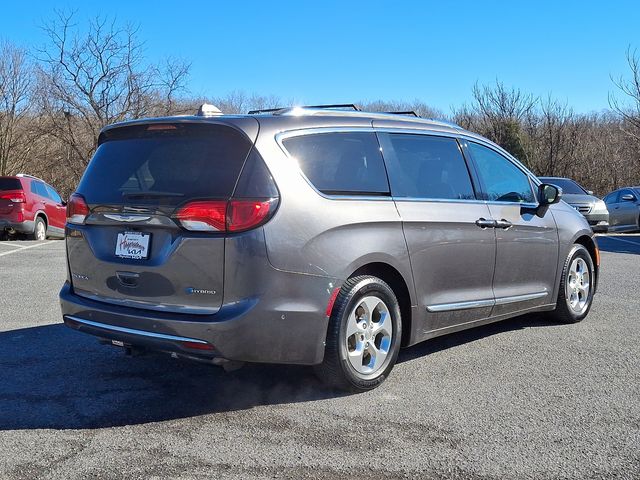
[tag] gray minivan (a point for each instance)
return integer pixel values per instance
(313, 236)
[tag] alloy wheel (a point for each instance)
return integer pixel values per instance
(368, 335)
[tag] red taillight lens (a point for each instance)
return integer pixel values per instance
(77, 209)
(15, 196)
(203, 216)
(247, 214)
(225, 216)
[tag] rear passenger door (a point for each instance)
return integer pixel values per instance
(451, 246)
(527, 244)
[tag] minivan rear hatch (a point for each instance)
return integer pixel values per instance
(125, 241)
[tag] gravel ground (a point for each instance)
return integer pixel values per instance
(519, 399)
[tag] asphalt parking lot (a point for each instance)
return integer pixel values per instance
(523, 398)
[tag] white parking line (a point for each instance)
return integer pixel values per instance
(21, 248)
(11, 245)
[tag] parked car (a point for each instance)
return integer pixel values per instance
(30, 206)
(624, 209)
(594, 209)
(313, 236)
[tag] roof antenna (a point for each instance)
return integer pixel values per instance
(208, 110)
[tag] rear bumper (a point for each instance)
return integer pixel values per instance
(284, 330)
(20, 227)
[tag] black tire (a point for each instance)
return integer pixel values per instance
(38, 227)
(336, 370)
(563, 312)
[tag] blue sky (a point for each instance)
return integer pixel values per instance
(341, 51)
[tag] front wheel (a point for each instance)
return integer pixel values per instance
(363, 338)
(576, 286)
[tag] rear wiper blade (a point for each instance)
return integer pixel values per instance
(151, 194)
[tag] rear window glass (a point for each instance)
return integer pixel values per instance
(165, 165)
(10, 184)
(341, 163)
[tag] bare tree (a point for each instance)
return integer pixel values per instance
(16, 75)
(497, 113)
(89, 79)
(629, 106)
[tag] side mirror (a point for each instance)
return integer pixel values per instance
(627, 197)
(548, 194)
(590, 192)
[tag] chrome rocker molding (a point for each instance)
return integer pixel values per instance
(131, 331)
(448, 307)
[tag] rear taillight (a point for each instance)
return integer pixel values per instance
(77, 209)
(203, 216)
(248, 214)
(15, 196)
(235, 215)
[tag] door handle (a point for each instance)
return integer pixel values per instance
(484, 223)
(504, 224)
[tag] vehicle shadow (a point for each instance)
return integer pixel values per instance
(54, 377)
(473, 334)
(620, 244)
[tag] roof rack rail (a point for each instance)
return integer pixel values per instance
(335, 106)
(406, 112)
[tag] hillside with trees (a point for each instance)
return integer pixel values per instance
(55, 99)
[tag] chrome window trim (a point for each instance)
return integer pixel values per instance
(449, 307)
(285, 134)
(114, 328)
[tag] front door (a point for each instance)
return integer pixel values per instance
(526, 243)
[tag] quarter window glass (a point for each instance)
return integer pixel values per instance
(423, 166)
(341, 162)
(502, 180)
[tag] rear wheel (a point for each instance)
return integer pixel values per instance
(364, 336)
(576, 287)
(39, 230)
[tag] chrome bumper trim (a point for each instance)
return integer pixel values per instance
(131, 331)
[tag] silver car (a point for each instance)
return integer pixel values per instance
(584, 201)
(624, 209)
(313, 236)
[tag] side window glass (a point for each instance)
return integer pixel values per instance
(502, 180)
(426, 166)
(341, 163)
(611, 198)
(38, 188)
(53, 195)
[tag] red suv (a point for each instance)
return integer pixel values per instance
(30, 206)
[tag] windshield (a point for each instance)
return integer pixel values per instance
(567, 186)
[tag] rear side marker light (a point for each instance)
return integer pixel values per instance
(77, 209)
(332, 300)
